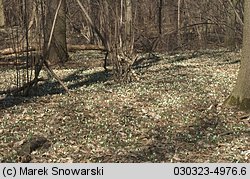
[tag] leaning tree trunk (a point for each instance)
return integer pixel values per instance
(240, 96)
(58, 50)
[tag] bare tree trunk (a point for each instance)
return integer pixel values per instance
(103, 32)
(179, 22)
(172, 15)
(47, 47)
(160, 17)
(240, 96)
(123, 55)
(231, 25)
(117, 35)
(2, 18)
(129, 36)
(58, 50)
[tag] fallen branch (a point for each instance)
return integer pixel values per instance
(52, 73)
(235, 132)
(9, 52)
(73, 48)
(12, 63)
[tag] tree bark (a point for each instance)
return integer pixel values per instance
(160, 17)
(240, 96)
(2, 18)
(178, 23)
(58, 51)
(123, 55)
(172, 21)
(231, 25)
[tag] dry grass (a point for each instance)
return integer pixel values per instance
(174, 113)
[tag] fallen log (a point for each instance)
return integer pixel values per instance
(8, 55)
(71, 48)
(74, 48)
(12, 63)
(10, 51)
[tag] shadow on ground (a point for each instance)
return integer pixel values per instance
(146, 62)
(52, 88)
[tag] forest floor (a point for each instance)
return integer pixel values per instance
(173, 113)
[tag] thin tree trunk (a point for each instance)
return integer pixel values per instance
(123, 56)
(129, 37)
(179, 23)
(2, 18)
(160, 17)
(231, 25)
